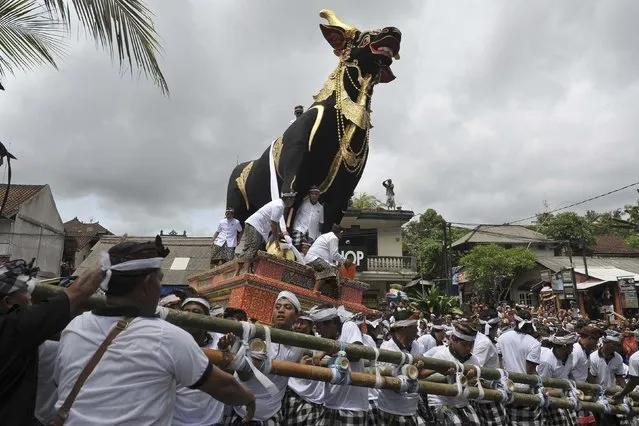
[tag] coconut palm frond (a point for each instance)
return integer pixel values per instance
(29, 37)
(123, 27)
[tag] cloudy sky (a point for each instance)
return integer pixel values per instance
(497, 107)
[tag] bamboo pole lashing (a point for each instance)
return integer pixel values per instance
(353, 351)
(290, 369)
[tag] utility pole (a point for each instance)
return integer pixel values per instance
(445, 257)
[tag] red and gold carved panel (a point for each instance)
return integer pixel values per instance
(259, 304)
(268, 269)
(236, 299)
(351, 295)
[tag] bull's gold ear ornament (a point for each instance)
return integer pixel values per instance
(332, 19)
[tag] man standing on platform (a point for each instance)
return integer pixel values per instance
(226, 238)
(264, 225)
(324, 255)
(309, 219)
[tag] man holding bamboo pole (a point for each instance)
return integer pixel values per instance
(343, 404)
(588, 338)
(607, 369)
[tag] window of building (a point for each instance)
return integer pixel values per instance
(180, 263)
(525, 299)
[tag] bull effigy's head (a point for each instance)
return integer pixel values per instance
(374, 50)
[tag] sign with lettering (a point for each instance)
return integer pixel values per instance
(357, 254)
(628, 292)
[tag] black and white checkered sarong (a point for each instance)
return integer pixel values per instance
(298, 412)
(393, 419)
(373, 412)
(343, 418)
(235, 420)
(524, 416)
(491, 413)
(558, 417)
(463, 416)
(253, 242)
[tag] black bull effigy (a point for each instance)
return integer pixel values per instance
(328, 145)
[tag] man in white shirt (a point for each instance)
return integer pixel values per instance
(268, 410)
(519, 352)
(607, 369)
(226, 238)
(557, 363)
(435, 337)
(343, 404)
(395, 407)
(456, 410)
(308, 219)
(136, 380)
(264, 226)
(194, 407)
(324, 256)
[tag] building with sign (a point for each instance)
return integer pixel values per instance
(374, 239)
(603, 285)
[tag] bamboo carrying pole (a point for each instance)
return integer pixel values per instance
(290, 369)
(353, 352)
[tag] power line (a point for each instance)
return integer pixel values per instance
(578, 203)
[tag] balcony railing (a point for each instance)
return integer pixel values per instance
(391, 263)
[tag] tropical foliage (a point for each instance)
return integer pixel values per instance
(433, 300)
(492, 269)
(366, 201)
(33, 33)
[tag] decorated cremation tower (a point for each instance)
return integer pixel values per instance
(327, 146)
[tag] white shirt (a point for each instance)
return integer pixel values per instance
(427, 341)
(400, 404)
(367, 340)
(551, 367)
(227, 231)
(517, 348)
(266, 406)
(347, 397)
(326, 247)
(485, 351)
(605, 372)
(309, 390)
(308, 218)
(633, 365)
(443, 352)
(261, 219)
(579, 363)
(135, 382)
(197, 408)
(47, 393)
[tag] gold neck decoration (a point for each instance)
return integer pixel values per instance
(357, 113)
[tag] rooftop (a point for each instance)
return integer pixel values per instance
(188, 256)
(375, 217)
(18, 195)
(502, 234)
(597, 267)
(83, 232)
(612, 245)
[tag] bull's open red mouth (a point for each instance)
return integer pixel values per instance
(387, 46)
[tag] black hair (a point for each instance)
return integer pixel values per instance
(123, 282)
(237, 313)
(336, 229)
(402, 315)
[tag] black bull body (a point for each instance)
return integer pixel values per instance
(326, 146)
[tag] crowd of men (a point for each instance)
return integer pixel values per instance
(122, 364)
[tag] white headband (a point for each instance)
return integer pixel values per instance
(568, 339)
(217, 311)
(462, 336)
(291, 298)
(611, 338)
(198, 300)
(404, 323)
(131, 265)
(521, 322)
(321, 315)
(171, 298)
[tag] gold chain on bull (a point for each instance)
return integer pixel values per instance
(353, 161)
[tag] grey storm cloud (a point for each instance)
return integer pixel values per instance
(497, 106)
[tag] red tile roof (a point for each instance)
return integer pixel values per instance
(18, 195)
(612, 244)
(83, 232)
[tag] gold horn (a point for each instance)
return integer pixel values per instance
(332, 19)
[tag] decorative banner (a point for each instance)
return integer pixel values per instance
(628, 292)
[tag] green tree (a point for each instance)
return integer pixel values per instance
(571, 227)
(433, 301)
(424, 239)
(366, 201)
(33, 33)
(633, 241)
(492, 269)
